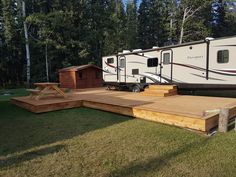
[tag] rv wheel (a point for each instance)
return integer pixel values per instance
(136, 89)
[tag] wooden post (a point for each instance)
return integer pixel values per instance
(223, 120)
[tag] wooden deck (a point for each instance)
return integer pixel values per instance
(194, 112)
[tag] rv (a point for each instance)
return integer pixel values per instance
(210, 63)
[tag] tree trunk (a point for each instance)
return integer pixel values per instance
(182, 27)
(26, 45)
(46, 60)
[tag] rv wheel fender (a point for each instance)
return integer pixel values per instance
(145, 86)
(136, 88)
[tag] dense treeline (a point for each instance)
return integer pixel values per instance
(76, 32)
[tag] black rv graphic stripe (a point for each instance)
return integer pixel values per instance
(225, 72)
(105, 71)
(112, 66)
(149, 77)
(225, 46)
(190, 66)
(166, 78)
(162, 77)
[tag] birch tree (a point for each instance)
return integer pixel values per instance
(26, 44)
(189, 10)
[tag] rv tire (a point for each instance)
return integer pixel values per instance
(136, 89)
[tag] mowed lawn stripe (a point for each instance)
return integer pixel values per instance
(86, 142)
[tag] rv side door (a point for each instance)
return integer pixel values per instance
(166, 66)
(121, 69)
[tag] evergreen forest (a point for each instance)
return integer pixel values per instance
(41, 35)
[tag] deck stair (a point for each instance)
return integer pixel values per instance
(160, 90)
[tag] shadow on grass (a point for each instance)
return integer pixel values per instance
(21, 130)
(232, 125)
(155, 164)
(14, 160)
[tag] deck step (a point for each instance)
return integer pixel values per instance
(158, 94)
(162, 87)
(160, 90)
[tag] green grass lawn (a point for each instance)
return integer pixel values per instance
(91, 143)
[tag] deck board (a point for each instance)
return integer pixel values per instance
(183, 111)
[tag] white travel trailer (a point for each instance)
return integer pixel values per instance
(210, 63)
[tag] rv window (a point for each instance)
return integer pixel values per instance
(110, 60)
(152, 62)
(166, 58)
(223, 56)
(135, 71)
(122, 63)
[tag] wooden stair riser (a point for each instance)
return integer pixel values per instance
(162, 87)
(153, 94)
(160, 91)
(158, 94)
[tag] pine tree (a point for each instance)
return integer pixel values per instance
(172, 18)
(115, 37)
(12, 40)
(76, 32)
(131, 24)
(159, 22)
(224, 18)
(144, 25)
(153, 23)
(98, 17)
(3, 63)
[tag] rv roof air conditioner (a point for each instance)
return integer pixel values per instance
(126, 51)
(137, 50)
(209, 38)
(155, 47)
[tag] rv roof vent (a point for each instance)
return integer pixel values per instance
(209, 38)
(137, 50)
(155, 47)
(126, 51)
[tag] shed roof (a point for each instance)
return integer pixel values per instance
(78, 68)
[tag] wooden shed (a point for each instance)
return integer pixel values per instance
(78, 77)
